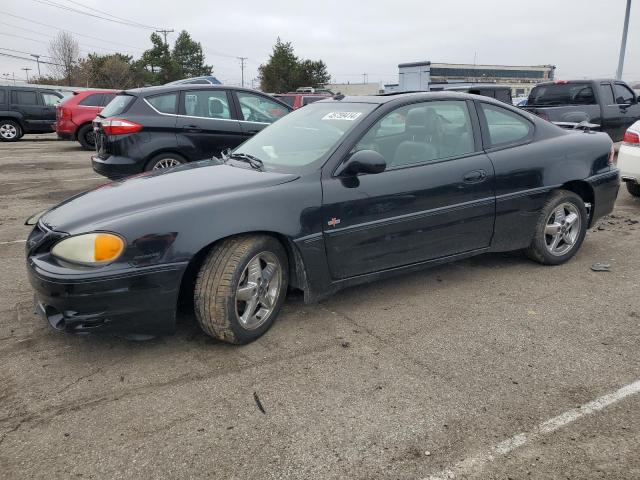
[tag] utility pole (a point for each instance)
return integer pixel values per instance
(37, 57)
(26, 70)
(242, 60)
(623, 44)
(364, 77)
(165, 32)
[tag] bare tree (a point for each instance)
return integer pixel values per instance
(65, 51)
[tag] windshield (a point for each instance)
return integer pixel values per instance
(116, 106)
(305, 137)
(562, 94)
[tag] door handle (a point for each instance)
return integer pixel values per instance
(192, 128)
(475, 176)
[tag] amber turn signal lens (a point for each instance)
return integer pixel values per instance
(107, 247)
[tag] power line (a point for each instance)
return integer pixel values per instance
(93, 9)
(21, 51)
(27, 59)
(51, 3)
(70, 31)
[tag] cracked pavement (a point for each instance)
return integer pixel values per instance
(398, 379)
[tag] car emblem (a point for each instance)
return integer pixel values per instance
(333, 222)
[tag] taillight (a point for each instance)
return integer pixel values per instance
(118, 126)
(63, 113)
(631, 138)
(561, 82)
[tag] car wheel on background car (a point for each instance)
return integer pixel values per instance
(10, 131)
(560, 230)
(165, 160)
(86, 137)
(633, 189)
(241, 287)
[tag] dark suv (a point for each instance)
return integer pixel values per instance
(26, 110)
(160, 127)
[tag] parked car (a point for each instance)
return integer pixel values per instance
(319, 201)
(610, 105)
(629, 159)
(74, 116)
(159, 127)
(26, 110)
(204, 80)
(296, 99)
(520, 101)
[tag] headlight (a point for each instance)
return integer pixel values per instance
(90, 248)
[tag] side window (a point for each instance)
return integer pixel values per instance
(24, 97)
(420, 133)
(3, 97)
(606, 94)
(165, 103)
(207, 104)
(94, 100)
(50, 99)
(107, 98)
(505, 127)
(622, 93)
(256, 108)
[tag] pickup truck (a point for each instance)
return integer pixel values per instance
(610, 106)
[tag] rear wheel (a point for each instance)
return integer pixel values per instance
(560, 230)
(87, 137)
(165, 160)
(633, 189)
(10, 131)
(241, 287)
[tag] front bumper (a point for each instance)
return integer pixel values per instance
(115, 167)
(138, 300)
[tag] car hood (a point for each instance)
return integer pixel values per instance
(157, 189)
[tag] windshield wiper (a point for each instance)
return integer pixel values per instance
(255, 162)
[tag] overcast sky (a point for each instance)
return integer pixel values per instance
(580, 37)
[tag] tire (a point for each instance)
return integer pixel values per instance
(86, 138)
(164, 160)
(633, 189)
(569, 236)
(226, 275)
(10, 131)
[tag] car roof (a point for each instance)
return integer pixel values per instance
(584, 80)
(401, 97)
(144, 91)
(304, 94)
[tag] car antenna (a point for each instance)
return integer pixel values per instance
(338, 96)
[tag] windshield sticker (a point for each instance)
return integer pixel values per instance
(350, 116)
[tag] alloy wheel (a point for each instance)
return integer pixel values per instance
(166, 163)
(562, 229)
(258, 290)
(8, 131)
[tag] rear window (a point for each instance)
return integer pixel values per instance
(94, 100)
(118, 105)
(288, 99)
(308, 100)
(561, 94)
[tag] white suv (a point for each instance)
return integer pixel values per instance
(629, 159)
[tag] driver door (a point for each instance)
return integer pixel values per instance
(256, 112)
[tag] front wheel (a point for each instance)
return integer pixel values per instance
(241, 287)
(633, 189)
(560, 230)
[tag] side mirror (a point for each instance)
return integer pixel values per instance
(363, 161)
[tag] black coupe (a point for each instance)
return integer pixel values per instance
(343, 191)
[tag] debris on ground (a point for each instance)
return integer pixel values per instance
(259, 403)
(601, 267)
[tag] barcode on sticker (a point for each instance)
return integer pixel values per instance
(350, 116)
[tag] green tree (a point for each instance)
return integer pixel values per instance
(189, 58)
(280, 73)
(312, 73)
(159, 62)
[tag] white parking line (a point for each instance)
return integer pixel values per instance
(12, 241)
(471, 464)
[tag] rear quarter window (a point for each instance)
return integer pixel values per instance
(166, 103)
(117, 106)
(505, 127)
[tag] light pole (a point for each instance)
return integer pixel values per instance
(37, 57)
(623, 44)
(242, 60)
(26, 70)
